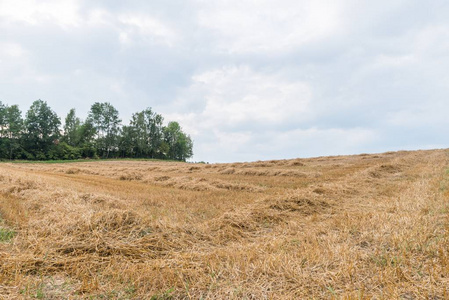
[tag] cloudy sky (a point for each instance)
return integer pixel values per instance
(247, 79)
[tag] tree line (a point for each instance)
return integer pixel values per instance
(39, 135)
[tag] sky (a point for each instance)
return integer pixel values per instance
(247, 79)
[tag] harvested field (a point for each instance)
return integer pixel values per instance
(349, 227)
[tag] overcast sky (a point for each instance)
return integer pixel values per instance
(248, 80)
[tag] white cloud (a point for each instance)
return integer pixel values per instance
(235, 101)
(394, 61)
(15, 65)
(245, 26)
(315, 141)
(11, 50)
(432, 40)
(134, 27)
(131, 27)
(99, 17)
(235, 95)
(63, 13)
(273, 144)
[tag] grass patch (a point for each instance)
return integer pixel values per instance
(6, 235)
(167, 295)
(83, 160)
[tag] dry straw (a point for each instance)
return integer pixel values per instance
(344, 227)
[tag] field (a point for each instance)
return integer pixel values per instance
(343, 227)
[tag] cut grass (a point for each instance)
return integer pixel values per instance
(342, 227)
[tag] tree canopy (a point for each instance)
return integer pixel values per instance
(41, 136)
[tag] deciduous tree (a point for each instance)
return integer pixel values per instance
(72, 129)
(42, 129)
(147, 127)
(106, 122)
(180, 145)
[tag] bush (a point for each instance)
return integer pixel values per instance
(88, 151)
(64, 151)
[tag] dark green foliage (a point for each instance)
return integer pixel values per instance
(41, 130)
(106, 124)
(179, 144)
(63, 151)
(11, 127)
(145, 133)
(2, 116)
(128, 142)
(39, 137)
(72, 129)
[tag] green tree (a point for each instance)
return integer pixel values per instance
(64, 151)
(106, 123)
(127, 142)
(2, 118)
(13, 129)
(87, 133)
(38, 136)
(148, 132)
(180, 145)
(3, 140)
(72, 129)
(42, 129)
(80, 136)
